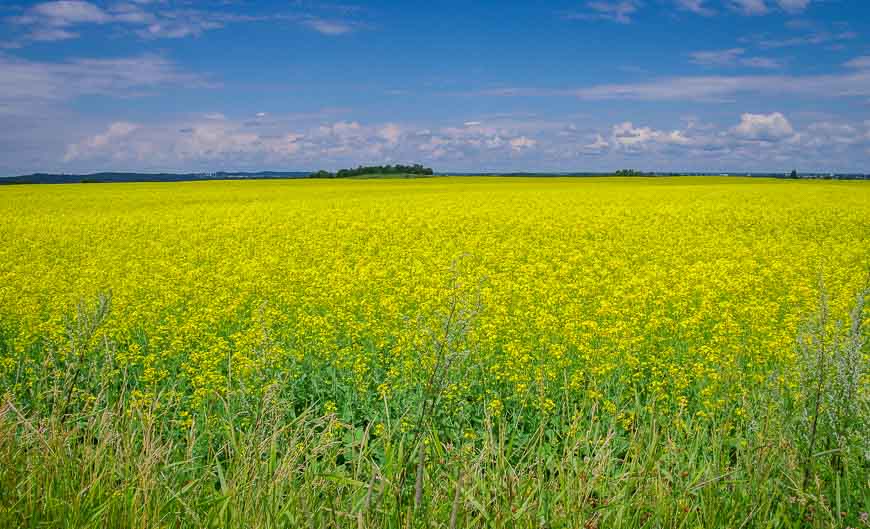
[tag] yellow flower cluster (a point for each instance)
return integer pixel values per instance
(689, 290)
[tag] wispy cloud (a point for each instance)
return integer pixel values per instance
(716, 88)
(793, 6)
(620, 11)
(750, 7)
(712, 88)
(716, 57)
(732, 57)
(66, 13)
(761, 62)
(696, 6)
(50, 34)
(55, 20)
(860, 63)
(25, 83)
(328, 27)
(812, 38)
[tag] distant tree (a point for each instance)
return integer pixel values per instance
(322, 174)
(628, 172)
(416, 169)
(794, 173)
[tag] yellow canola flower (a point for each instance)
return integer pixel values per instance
(689, 291)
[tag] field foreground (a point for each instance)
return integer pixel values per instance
(445, 352)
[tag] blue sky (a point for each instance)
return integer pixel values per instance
(186, 85)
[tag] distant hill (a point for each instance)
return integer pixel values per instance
(94, 178)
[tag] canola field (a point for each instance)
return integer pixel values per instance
(439, 352)
(687, 292)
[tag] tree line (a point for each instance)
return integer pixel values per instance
(398, 169)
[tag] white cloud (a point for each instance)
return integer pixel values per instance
(115, 132)
(755, 142)
(174, 29)
(731, 57)
(711, 88)
(207, 141)
(27, 83)
(716, 57)
(695, 6)
(627, 136)
(596, 146)
(52, 20)
(715, 88)
(328, 27)
(750, 7)
(815, 38)
(745, 7)
(793, 6)
(521, 143)
(859, 63)
(619, 11)
(52, 34)
(764, 127)
(390, 132)
(761, 62)
(67, 12)
(833, 134)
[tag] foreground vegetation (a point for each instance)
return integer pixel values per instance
(448, 353)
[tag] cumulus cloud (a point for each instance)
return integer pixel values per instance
(207, 140)
(115, 132)
(764, 127)
(596, 146)
(756, 141)
(217, 140)
(521, 143)
(629, 137)
(390, 132)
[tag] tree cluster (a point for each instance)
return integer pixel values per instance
(398, 169)
(628, 172)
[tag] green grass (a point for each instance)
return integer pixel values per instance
(101, 468)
